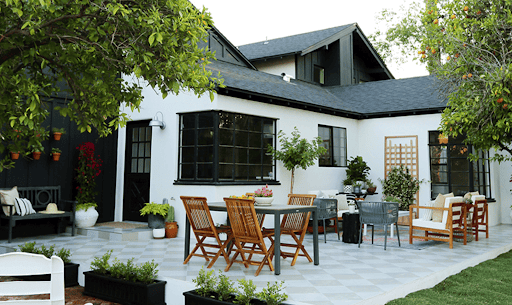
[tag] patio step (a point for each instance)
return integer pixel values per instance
(117, 231)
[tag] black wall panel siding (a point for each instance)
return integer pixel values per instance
(46, 172)
(346, 61)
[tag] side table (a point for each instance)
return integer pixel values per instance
(350, 227)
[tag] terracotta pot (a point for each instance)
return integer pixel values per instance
(56, 156)
(171, 229)
(57, 135)
(371, 190)
(15, 155)
(36, 155)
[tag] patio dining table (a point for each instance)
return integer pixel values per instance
(276, 210)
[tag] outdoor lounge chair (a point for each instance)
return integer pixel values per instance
(453, 220)
(248, 237)
(203, 227)
(296, 225)
(378, 213)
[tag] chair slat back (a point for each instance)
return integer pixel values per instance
(243, 220)
(297, 221)
(378, 212)
(21, 263)
(458, 212)
(198, 213)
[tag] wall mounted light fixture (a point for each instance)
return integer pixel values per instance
(157, 123)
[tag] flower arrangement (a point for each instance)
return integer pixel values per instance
(88, 169)
(263, 192)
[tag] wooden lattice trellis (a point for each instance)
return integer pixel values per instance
(402, 150)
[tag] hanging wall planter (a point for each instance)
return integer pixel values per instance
(57, 135)
(56, 156)
(36, 155)
(15, 155)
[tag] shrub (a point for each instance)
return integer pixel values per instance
(64, 254)
(145, 273)
(401, 185)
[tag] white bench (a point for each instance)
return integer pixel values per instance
(453, 220)
(21, 263)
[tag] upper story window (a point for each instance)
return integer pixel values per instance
(319, 75)
(334, 139)
(223, 147)
(452, 171)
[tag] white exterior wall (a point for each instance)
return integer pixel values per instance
(364, 138)
(164, 146)
(277, 66)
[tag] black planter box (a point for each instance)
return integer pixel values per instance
(70, 275)
(192, 298)
(125, 292)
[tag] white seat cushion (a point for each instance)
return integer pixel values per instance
(428, 224)
(340, 212)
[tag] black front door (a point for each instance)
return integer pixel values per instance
(137, 169)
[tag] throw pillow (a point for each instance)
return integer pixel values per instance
(471, 194)
(8, 197)
(28, 206)
(20, 206)
(448, 195)
(342, 202)
(427, 213)
(437, 215)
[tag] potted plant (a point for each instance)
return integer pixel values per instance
(89, 167)
(357, 169)
(296, 152)
(347, 185)
(372, 188)
(351, 206)
(401, 185)
(171, 226)
(70, 269)
(357, 188)
(263, 196)
(56, 153)
(37, 150)
(15, 155)
(220, 290)
(124, 283)
(156, 214)
(58, 132)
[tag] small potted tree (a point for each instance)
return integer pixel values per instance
(171, 226)
(357, 170)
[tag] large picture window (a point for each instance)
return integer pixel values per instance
(225, 147)
(334, 139)
(452, 171)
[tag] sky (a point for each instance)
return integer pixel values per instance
(244, 22)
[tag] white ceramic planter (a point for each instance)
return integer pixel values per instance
(264, 200)
(352, 208)
(159, 233)
(86, 218)
(348, 189)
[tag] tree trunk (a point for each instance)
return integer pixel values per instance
(293, 176)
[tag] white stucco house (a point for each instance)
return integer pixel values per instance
(334, 86)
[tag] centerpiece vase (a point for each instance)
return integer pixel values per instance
(264, 200)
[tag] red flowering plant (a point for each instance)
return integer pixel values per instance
(263, 192)
(88, 169)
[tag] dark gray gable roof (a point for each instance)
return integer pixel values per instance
(372, 99)
(390, 96)
(288, 45)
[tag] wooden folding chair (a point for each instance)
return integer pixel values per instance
(203, 227)
(480, 221)
(296, 225)
(247, 235)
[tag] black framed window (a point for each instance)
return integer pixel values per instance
(225, 147)
(452, 171)
(334, 139)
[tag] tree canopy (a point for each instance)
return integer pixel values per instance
(467, 44)
(88, 48)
